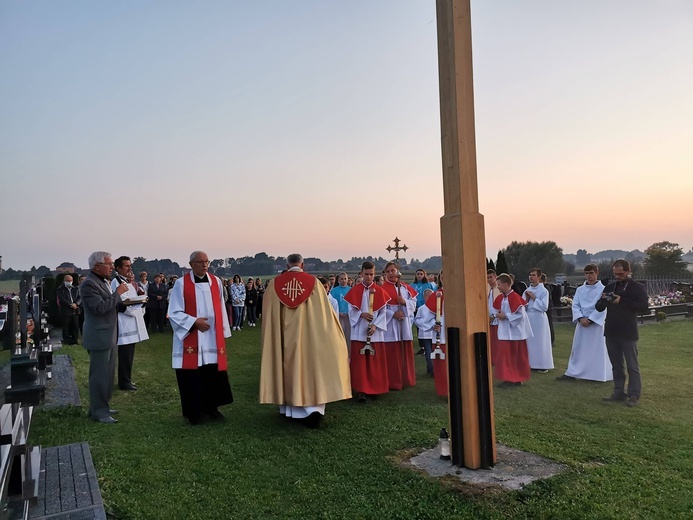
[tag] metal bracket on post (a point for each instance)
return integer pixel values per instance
(484, 399)
(455, 396)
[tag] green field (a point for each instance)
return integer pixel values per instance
(623, 463)
(9, 286)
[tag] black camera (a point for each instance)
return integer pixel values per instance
(608, 297)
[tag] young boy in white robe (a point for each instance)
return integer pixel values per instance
(538, 344)
(589, 358)
(512, 363)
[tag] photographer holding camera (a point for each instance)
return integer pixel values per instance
(624, 300)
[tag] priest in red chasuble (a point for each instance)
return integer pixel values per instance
(398, 336)
(200, 325)
(304, 364)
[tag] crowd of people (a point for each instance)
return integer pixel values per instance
(326, 338)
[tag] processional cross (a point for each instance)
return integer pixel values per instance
(397, 248)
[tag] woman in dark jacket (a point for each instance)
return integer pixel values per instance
(250, 302)
(260, 294)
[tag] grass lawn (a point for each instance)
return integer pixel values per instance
(624, 463)
(9, 286)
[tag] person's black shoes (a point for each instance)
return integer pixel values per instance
(313, 420)
(615, 398)
(216, 415)
(632, 401)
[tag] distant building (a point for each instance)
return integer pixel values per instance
(66, 267)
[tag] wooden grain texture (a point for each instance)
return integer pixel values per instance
(462, 226)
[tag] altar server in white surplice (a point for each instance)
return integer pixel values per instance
(589, 358)
(131, 327)
(538, 345)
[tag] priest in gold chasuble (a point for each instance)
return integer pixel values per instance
(304, 363)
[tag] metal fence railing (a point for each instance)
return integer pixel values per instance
(655, 285)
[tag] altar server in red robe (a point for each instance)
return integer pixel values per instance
(512, 361)
(398, 336)
(367, 315)
(431, 317)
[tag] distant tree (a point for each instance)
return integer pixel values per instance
(582, 258)
(569, 268)
(11, 274)
(42, 271)
(490, 264)
(664, 259)
(604, 269)
(637, 268)
(216, 264)
(433, 264)
(522, 256)
(501, 263)
(139, 264)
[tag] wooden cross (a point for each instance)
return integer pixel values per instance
(463, 244)
(397, 248)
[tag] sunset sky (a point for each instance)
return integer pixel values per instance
(154, 128)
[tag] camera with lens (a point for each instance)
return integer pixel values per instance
(608, 297)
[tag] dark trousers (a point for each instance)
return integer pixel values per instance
(427, 346)
(70, 329)
(126, 355)
(202, 390)
(101, 373)
(159, 320)
(553, 333)
(620, 350)
(147, 318)
(250, 313)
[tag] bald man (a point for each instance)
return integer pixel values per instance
(68, 303)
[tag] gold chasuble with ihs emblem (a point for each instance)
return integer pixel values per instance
(304, 362)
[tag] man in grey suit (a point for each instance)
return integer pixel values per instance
(101, 333)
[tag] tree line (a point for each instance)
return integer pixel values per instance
(660, 259)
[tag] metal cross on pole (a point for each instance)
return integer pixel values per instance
(397, 248)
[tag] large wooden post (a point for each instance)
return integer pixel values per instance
(462, 231)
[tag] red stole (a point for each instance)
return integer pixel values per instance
(190, 346)
(390, 289)
(514, 300)
(355, 296)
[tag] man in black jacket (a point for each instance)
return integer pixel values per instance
(68, 303)
(624, 300)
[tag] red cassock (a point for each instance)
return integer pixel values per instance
(511, 359)
(368, 372)
(400, 350)
(440, 366)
